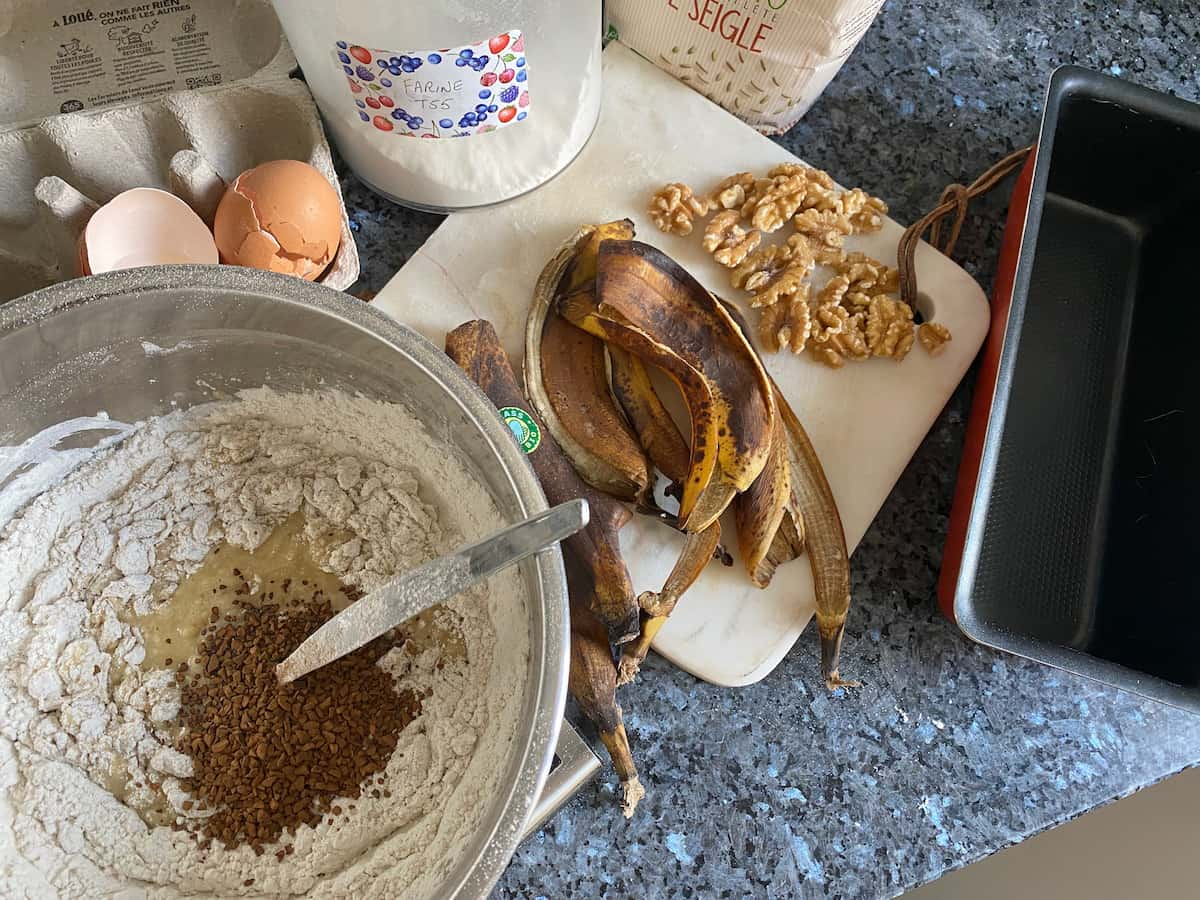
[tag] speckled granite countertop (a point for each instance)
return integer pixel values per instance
(949, 752)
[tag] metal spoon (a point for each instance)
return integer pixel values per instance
(418, 589)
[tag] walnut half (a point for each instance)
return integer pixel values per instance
(779, 202)
(933, 337)
(786, 323)
(889, 327)
(845, 340)
(732, 192)
(728, 241)
(823, 226)
(761, 267)
(674, 208)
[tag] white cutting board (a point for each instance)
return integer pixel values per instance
(865, 420)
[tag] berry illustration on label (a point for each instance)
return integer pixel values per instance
(449, 92)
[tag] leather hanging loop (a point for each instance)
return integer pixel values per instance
(954, 202)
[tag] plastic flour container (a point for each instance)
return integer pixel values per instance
(449, 105)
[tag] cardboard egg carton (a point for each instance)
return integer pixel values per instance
(182, 96)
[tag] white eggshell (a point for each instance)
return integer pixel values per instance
(146, 227)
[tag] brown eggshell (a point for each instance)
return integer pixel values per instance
(81, 251)
(283, 216)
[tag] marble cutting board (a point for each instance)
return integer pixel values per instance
(865, 420)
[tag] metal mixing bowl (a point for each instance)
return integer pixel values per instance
(144, 342)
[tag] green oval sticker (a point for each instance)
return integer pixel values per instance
(524, 429)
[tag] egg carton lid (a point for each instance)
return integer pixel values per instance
(177, 94)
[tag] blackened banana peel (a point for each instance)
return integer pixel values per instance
(643, 302)
(790, 509)
(566, 376)
(593, 681)
(476, 348)
(747, 446)
(825, 541)
(603, 608)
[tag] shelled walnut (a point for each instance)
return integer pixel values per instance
(761, 267)
(845, 341)
(732, 192)
(868, 275)
(834, 291)
(786, 323)
(728, 241)
(779, 202)
(822, 226)
(857, 313)
(869, 218)
(889, 328)
(811, 174)
(933, 337)
(790, 285)
(674, 208)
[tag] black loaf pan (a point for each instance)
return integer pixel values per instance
(1083, 543)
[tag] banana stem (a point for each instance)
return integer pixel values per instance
(697, 551)
(632, 791)
(593, 682)
(831, 649)
(634, 654)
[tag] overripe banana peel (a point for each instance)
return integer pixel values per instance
(475, 347)
(581, 413)
(698, 549)
(825, 541)
(656, 430)
(566, 376)
(660, 315)
(593, 683)
(704, 495)
(790, 509)
(770, 525)
(645, 303)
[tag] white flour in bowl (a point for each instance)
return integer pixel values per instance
(81, 722)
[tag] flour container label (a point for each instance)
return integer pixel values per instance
(455, 92)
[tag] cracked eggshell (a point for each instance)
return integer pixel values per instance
(283, 216)
(144, 227)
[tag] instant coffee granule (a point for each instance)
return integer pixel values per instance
(268, 757)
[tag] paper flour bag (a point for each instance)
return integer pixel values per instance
(765, 61)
